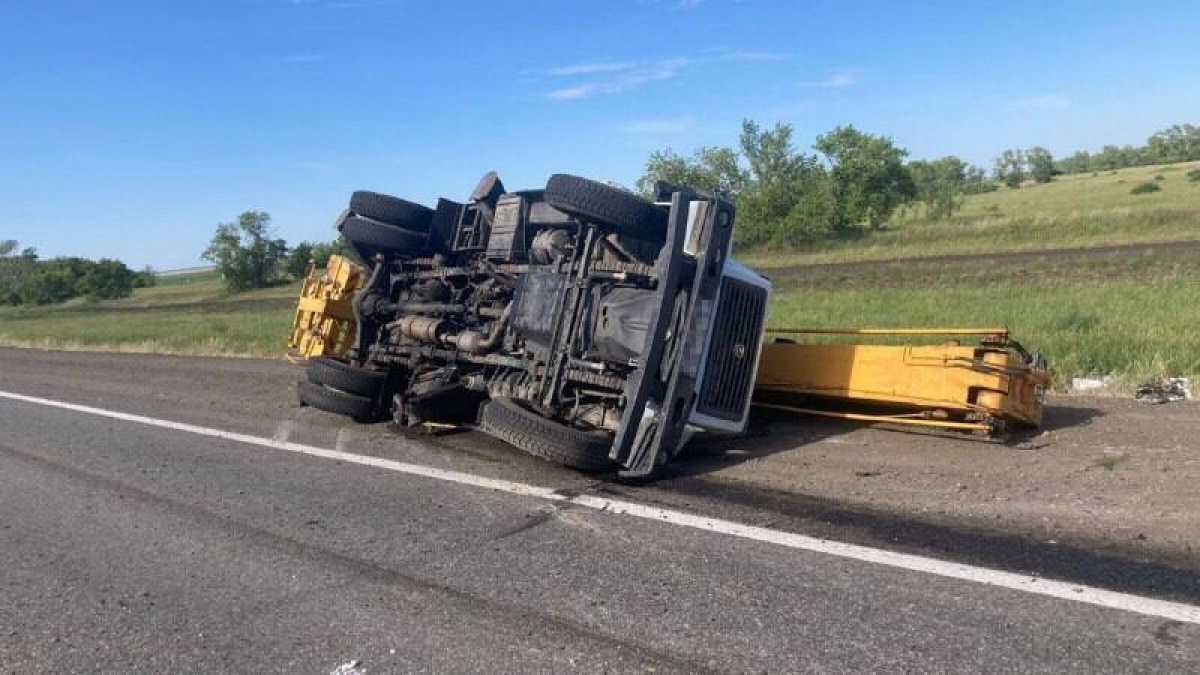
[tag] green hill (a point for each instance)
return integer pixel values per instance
(1101, 280)
(184, 314)
(1082, 210)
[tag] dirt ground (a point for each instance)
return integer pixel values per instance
(1105, 473)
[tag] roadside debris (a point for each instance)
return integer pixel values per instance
(353, 667)
(1081, 384)
(1167, 390)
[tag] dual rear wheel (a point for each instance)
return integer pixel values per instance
(336, 386)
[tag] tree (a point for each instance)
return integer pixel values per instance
(869, 176)
(1041, 164)
(788, 197)
(298, 259)
(105, 280)
(711, 168)
(939, 184)
(770, 154)
(145, 278)
(1108, 158)
(1010, 168)
(316, 252)
(14, 266)
(1080, 162)
(1178, 143)
(51, 281)
(244, 252)
(975, 181)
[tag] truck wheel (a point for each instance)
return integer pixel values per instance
(627, 213)
(340, 375)
(360, 408)
(391, 210)
(369, 237)
(512, 423)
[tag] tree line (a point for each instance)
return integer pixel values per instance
(1177, 143)
(856, 181)
(245, 252)
(27, 279)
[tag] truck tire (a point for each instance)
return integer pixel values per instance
(321, 397)
(340, 375)
(369, 237)
(391, 210)
(627, 213)
(512, 423)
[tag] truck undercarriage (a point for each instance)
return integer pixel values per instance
(579, 322)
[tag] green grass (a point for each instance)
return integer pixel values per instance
(1133, 329)
(1072, 211)
(189, 314)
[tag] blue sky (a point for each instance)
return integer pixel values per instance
(131, 129)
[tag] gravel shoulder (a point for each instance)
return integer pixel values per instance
(1105, 474)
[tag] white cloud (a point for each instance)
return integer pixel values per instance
(751, 56)
(679, 5)
(303, 58)
(838, 79)
(593, 68)
(623, 80)
(1046, 102)
(660, 127)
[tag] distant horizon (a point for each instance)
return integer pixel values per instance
(132, 130)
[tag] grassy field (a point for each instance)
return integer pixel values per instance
(1082, 210)
(1129, 311)
(1132, 329)
(186, 314)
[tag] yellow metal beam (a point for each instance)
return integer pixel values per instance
(999, 332)
(960, 381)
(889, 419)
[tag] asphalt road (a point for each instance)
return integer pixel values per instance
(126, 546)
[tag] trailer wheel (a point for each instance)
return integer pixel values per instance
(511, 422)
(625, 212)
(321, 397)
(369, 237)
(340, 375)
(391, 210)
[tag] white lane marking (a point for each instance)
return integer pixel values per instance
(1174, 611)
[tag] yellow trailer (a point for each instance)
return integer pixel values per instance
(980, 388)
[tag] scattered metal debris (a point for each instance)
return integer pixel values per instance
(1167, 390)
(353, 667)
(1079, 384)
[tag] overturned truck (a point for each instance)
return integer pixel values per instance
(579, 322)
